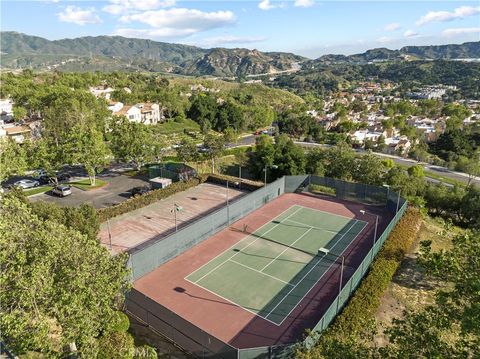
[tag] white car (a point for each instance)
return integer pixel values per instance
(62, 190)
(27, 183)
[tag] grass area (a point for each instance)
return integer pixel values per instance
(436, 176)
(84, 185)
(37, 190)
(410, 288)
(133, 173)
(444, 179)
(171, 126)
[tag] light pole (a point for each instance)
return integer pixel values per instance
(398, 200)
(388, 191)
(327, 251)
(228, 202)
(376, 227)
(265, 170)
(176, 208)
(109, 234)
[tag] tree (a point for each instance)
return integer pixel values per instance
(132, 142)
(19, 112)
(13, 159)
(85, 145)
(416, 171)
(289, 158)
(340, 161)
(456, 311)
(214, 146)
(58, 286)
(187, 150)
(368, 169)
(263, 156)
(241, 158)
(470, 165)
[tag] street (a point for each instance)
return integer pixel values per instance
(445, 172)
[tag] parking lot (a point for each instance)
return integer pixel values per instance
(117, 190)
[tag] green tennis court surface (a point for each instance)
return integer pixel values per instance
(272, 269)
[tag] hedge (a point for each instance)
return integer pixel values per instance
(137, 202)
(146, 199)
(364, 303)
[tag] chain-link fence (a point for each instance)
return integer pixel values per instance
(153, 253)
(150, 255)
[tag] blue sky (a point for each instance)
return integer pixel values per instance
(306, 27)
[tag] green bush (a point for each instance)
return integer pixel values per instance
(83, 218)
(222, 180)
(361, 308)
(147, 198)
(119, 323)
(316, 188)
(158, 194)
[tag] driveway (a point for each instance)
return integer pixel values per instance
(116, 191)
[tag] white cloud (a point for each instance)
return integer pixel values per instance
(156, 34)
(392, 27)
(410, 33)
(304, 3)
(230, 40)
(179, 18)
(123, 7)
(79, 16)
(441, 16)
(266, 5)
(460, 31)
(384, 39)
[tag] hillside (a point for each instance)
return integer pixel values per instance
(466, 50)
(115, 53)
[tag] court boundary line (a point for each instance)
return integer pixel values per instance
(230, 301)
(295, 285)
(256, 270)
(243, 239)
(331, 213)
(286, 249)
(313, 227)
(318, 280)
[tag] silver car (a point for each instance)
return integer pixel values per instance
(62, 190)
(27, 183)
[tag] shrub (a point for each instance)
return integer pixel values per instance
(158, 194)
(316, 188)
(361, 308)
(147, 198)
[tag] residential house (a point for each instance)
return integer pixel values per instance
(101, 91)
(150, 113)
(17, 133)
(398, 145)
(6, 110)
(115, 106)
(132, 113)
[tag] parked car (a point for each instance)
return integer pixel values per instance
(138, 191)
(26, 183)
(62, 190)
(58, 178)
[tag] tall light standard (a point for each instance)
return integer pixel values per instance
(327, 251)
(388, 191)
(265, 170)
(376, 227)
(176, 208)
(228, 202)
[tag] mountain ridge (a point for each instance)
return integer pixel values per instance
(108, 53)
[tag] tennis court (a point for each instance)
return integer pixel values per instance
(272, 269)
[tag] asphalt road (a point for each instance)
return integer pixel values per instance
(445, 172)
(116, 191)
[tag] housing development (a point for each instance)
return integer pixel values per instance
(169, 191)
